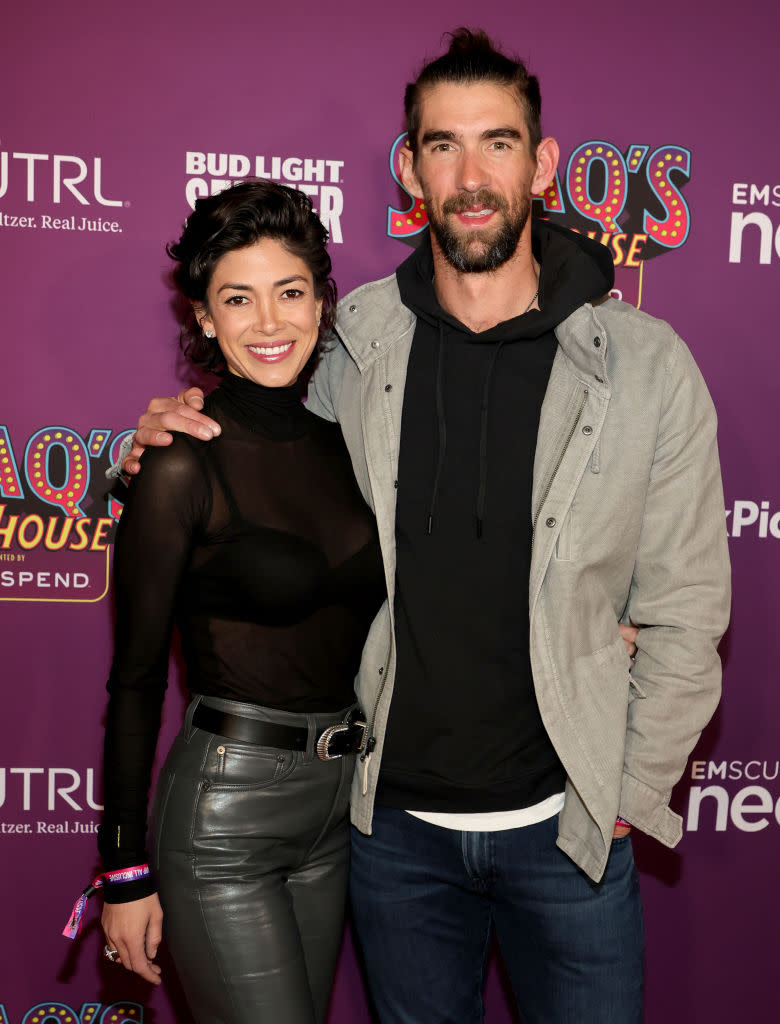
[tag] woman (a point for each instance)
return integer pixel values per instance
(259, 546)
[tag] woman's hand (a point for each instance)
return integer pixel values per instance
(134, 930)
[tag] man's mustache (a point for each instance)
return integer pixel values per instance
(465, 201)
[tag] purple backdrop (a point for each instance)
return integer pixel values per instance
(111, 120)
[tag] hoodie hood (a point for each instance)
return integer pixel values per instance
(574, 269)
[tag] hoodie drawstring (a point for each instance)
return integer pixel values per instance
(442, 425)
(483, 434)
(483, 441)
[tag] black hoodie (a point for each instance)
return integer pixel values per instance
(465, 733)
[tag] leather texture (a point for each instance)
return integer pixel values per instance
(251, 855)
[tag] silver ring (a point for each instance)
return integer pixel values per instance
(111, 954)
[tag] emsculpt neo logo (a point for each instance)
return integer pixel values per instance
(735, 794)
(754, 233)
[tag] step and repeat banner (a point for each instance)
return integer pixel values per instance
(114, 119)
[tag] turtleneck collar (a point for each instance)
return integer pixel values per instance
(276, 413)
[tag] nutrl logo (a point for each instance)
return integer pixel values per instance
(53, 177)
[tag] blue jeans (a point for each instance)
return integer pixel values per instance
(425, 901)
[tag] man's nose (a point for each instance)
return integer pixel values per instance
(473, 174)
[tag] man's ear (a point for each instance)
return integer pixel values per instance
(547, 154)
(408, 176)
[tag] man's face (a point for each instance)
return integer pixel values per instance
(475, 172)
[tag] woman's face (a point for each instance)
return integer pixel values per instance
(264, 313)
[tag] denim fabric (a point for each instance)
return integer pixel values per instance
(426, 900)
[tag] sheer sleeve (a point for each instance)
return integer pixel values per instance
(165, 505)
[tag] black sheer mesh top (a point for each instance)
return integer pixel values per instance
(259, 546)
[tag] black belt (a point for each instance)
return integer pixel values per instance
(335, 741)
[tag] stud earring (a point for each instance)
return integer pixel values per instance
(209, 334)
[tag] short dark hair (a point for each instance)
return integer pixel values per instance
(472, 57)
(234, 219)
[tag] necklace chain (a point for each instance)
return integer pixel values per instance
(533, 300)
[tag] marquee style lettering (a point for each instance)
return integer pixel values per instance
(606, 205)
(597, 187)
(404, 223)
(113, 1013)
(67, 492)
(672, 230)
(10, 484)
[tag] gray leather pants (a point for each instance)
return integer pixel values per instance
(251, 856)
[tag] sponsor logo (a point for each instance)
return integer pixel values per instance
(90, 1013)
(754, 234)
(733, 794)
(210, 173)
(56, 522)
(753, 519)
(629, 200)
(63, 181)
(37, 790)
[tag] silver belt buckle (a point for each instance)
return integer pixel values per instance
(323, 743)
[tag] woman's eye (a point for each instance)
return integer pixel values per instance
(292, 293)
(236, 300)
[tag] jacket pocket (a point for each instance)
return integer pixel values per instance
(564, 544)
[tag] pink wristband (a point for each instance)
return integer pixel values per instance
(116, 877)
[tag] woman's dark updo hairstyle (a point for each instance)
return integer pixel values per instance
(234, 219)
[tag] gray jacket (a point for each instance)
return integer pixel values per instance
(629, 523)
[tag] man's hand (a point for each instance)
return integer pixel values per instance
(134, 930)
(163, 415)
(629, 634)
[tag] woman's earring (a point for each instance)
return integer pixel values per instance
(209, 334)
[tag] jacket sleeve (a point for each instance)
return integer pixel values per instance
(152, 551)
(680, 596)
(325, 384)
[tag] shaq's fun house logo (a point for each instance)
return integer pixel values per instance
(90, 1013)
(629, 200)
(321, 180)
(56, 192)
(56, 521)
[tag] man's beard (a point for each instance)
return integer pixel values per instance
(472, 253)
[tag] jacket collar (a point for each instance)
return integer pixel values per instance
(372, 319)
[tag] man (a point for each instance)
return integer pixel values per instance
(509, 424)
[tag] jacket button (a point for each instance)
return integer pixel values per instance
(374, 344)
(388, 387)
(550, 522)
(597, 342)
(381, 670)
(587, 430)
(352, 309)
